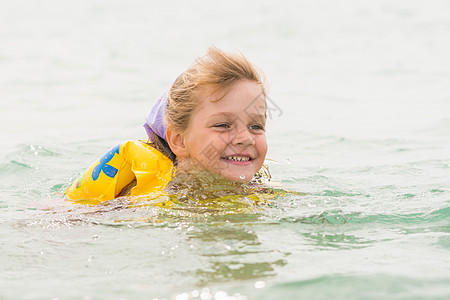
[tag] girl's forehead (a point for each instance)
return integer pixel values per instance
(242, 90)
(254, 110)
(243, 96)
(235, 103)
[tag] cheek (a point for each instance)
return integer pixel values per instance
(261, 144)
(208, 147)
(218, 141)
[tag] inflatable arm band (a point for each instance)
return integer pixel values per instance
(118, 167)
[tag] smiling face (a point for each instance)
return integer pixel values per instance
(227, 137)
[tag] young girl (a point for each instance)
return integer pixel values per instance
(209, 127)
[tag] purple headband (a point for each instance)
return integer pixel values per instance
(154, 122)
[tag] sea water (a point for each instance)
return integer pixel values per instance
(358, 130)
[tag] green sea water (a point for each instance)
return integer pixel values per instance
(351, 233)
(358, 132)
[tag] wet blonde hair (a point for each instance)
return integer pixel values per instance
(214, 72)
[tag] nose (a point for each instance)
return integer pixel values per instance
(243, 137)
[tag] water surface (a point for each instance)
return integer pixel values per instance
(359, 128)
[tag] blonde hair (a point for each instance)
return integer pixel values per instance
(215, 72)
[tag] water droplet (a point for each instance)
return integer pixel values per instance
(195, 293)
(242, 176)
(183, 296)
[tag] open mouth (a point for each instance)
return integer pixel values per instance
(237, 158)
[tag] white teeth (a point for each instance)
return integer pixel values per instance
(238, 158)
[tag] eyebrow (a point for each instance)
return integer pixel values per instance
(232, 115)
(222, 114)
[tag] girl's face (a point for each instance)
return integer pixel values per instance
(227, 136)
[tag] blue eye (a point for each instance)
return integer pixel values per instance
(256, 127)
(222, 125)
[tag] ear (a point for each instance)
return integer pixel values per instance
(176, 142)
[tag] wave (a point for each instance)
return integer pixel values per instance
(338, 217)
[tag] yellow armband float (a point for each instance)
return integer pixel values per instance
(118, 167)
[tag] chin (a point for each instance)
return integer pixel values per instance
(242, 177)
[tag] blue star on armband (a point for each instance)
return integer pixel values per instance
(109, 171)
